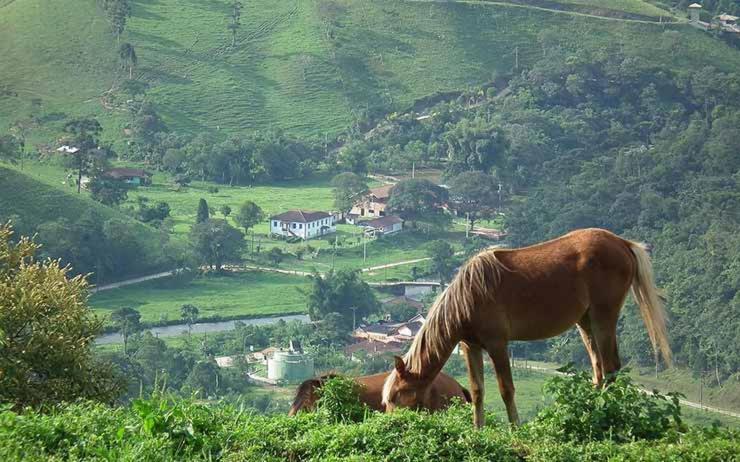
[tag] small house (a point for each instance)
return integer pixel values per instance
(375, 203)
(302, 224)
(389, 224)
(133, 176)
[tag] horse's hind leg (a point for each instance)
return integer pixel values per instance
(500, 360)
(584, 327)
(474, 359)
(604, 327)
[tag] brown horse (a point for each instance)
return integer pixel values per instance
(438, 396)
(531, 293)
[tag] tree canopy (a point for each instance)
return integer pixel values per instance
(46, 332)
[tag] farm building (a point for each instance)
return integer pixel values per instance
(384, 225)
(134, 176)
(375, 203)
(290, 366)
(302, 224)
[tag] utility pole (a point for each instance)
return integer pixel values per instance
(516, 58)
(354, 314)
(364, 247)
(467, 225)
(413, 169)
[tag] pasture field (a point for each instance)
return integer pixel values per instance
(640, 7)
(305, 66)
(221, 296)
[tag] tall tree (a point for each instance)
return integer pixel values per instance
(215, 242)
(127, 54)
(249, 214)
(203, 213)
(474, 144)
(127, 321)
(342, 292)
(89, 159)
(475, 195)
(46, 332)
(118, 13)
(235, 20)
(348, 189)
(189, 314)
(418, 200)
(442, 259)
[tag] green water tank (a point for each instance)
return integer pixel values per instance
(290, 366)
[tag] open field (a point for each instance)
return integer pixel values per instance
(216, 296)
(303, 66)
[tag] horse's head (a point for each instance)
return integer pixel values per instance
(403, 388)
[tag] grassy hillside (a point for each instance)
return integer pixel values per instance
(304, 66)
(217, 297)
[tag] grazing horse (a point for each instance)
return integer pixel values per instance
(531, 293)
(438, 396)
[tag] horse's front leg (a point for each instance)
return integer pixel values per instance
(500, 360)
(474, 359)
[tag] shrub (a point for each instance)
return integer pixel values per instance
(620, 411)
(339, 400)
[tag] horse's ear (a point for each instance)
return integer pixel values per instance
(400, 365)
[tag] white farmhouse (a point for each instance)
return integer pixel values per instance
(302, 224)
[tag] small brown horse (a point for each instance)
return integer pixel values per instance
(439, 395)
(531, 293)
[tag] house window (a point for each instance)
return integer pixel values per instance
(292, 225)
(300, 226)
(274, 223)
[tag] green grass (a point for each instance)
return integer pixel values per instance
(36, 200)
(628, 6)
(302, 66)
(216, 296)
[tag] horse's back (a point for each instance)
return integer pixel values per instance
(550, 286)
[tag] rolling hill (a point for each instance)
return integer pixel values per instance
(305, 66)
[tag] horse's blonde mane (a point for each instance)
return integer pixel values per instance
(477, 280)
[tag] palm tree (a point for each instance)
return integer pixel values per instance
(128, 56)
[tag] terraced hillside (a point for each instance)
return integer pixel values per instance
(306, 66)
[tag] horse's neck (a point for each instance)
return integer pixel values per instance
(431, 365)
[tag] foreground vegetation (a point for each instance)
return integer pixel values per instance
(582, 423)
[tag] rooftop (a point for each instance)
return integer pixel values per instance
(300, 216)
(382, 192)
(382, 222)
(127, 172)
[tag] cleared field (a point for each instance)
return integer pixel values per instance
(216, 296)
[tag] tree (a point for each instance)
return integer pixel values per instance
(89, 159)
(275, 255)
(473, 144)
(249, 215)
(353, 157)
(189, 313)
(418, 199)
(348, 189)
(46, 332)
(342, 292)
(127, 53)
(215, 241)
(11, 148)
(127, 321)
(118, 13)
(203, 211)
(475, 195)
(204, 379)
(225, 210)
(443, 259)
(108, 191)
(235, 23)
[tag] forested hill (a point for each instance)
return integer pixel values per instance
(311, 67)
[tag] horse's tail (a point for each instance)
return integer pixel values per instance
(650, 300)
(305, 396)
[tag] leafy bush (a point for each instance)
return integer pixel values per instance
(339, 399)
(620, 411)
